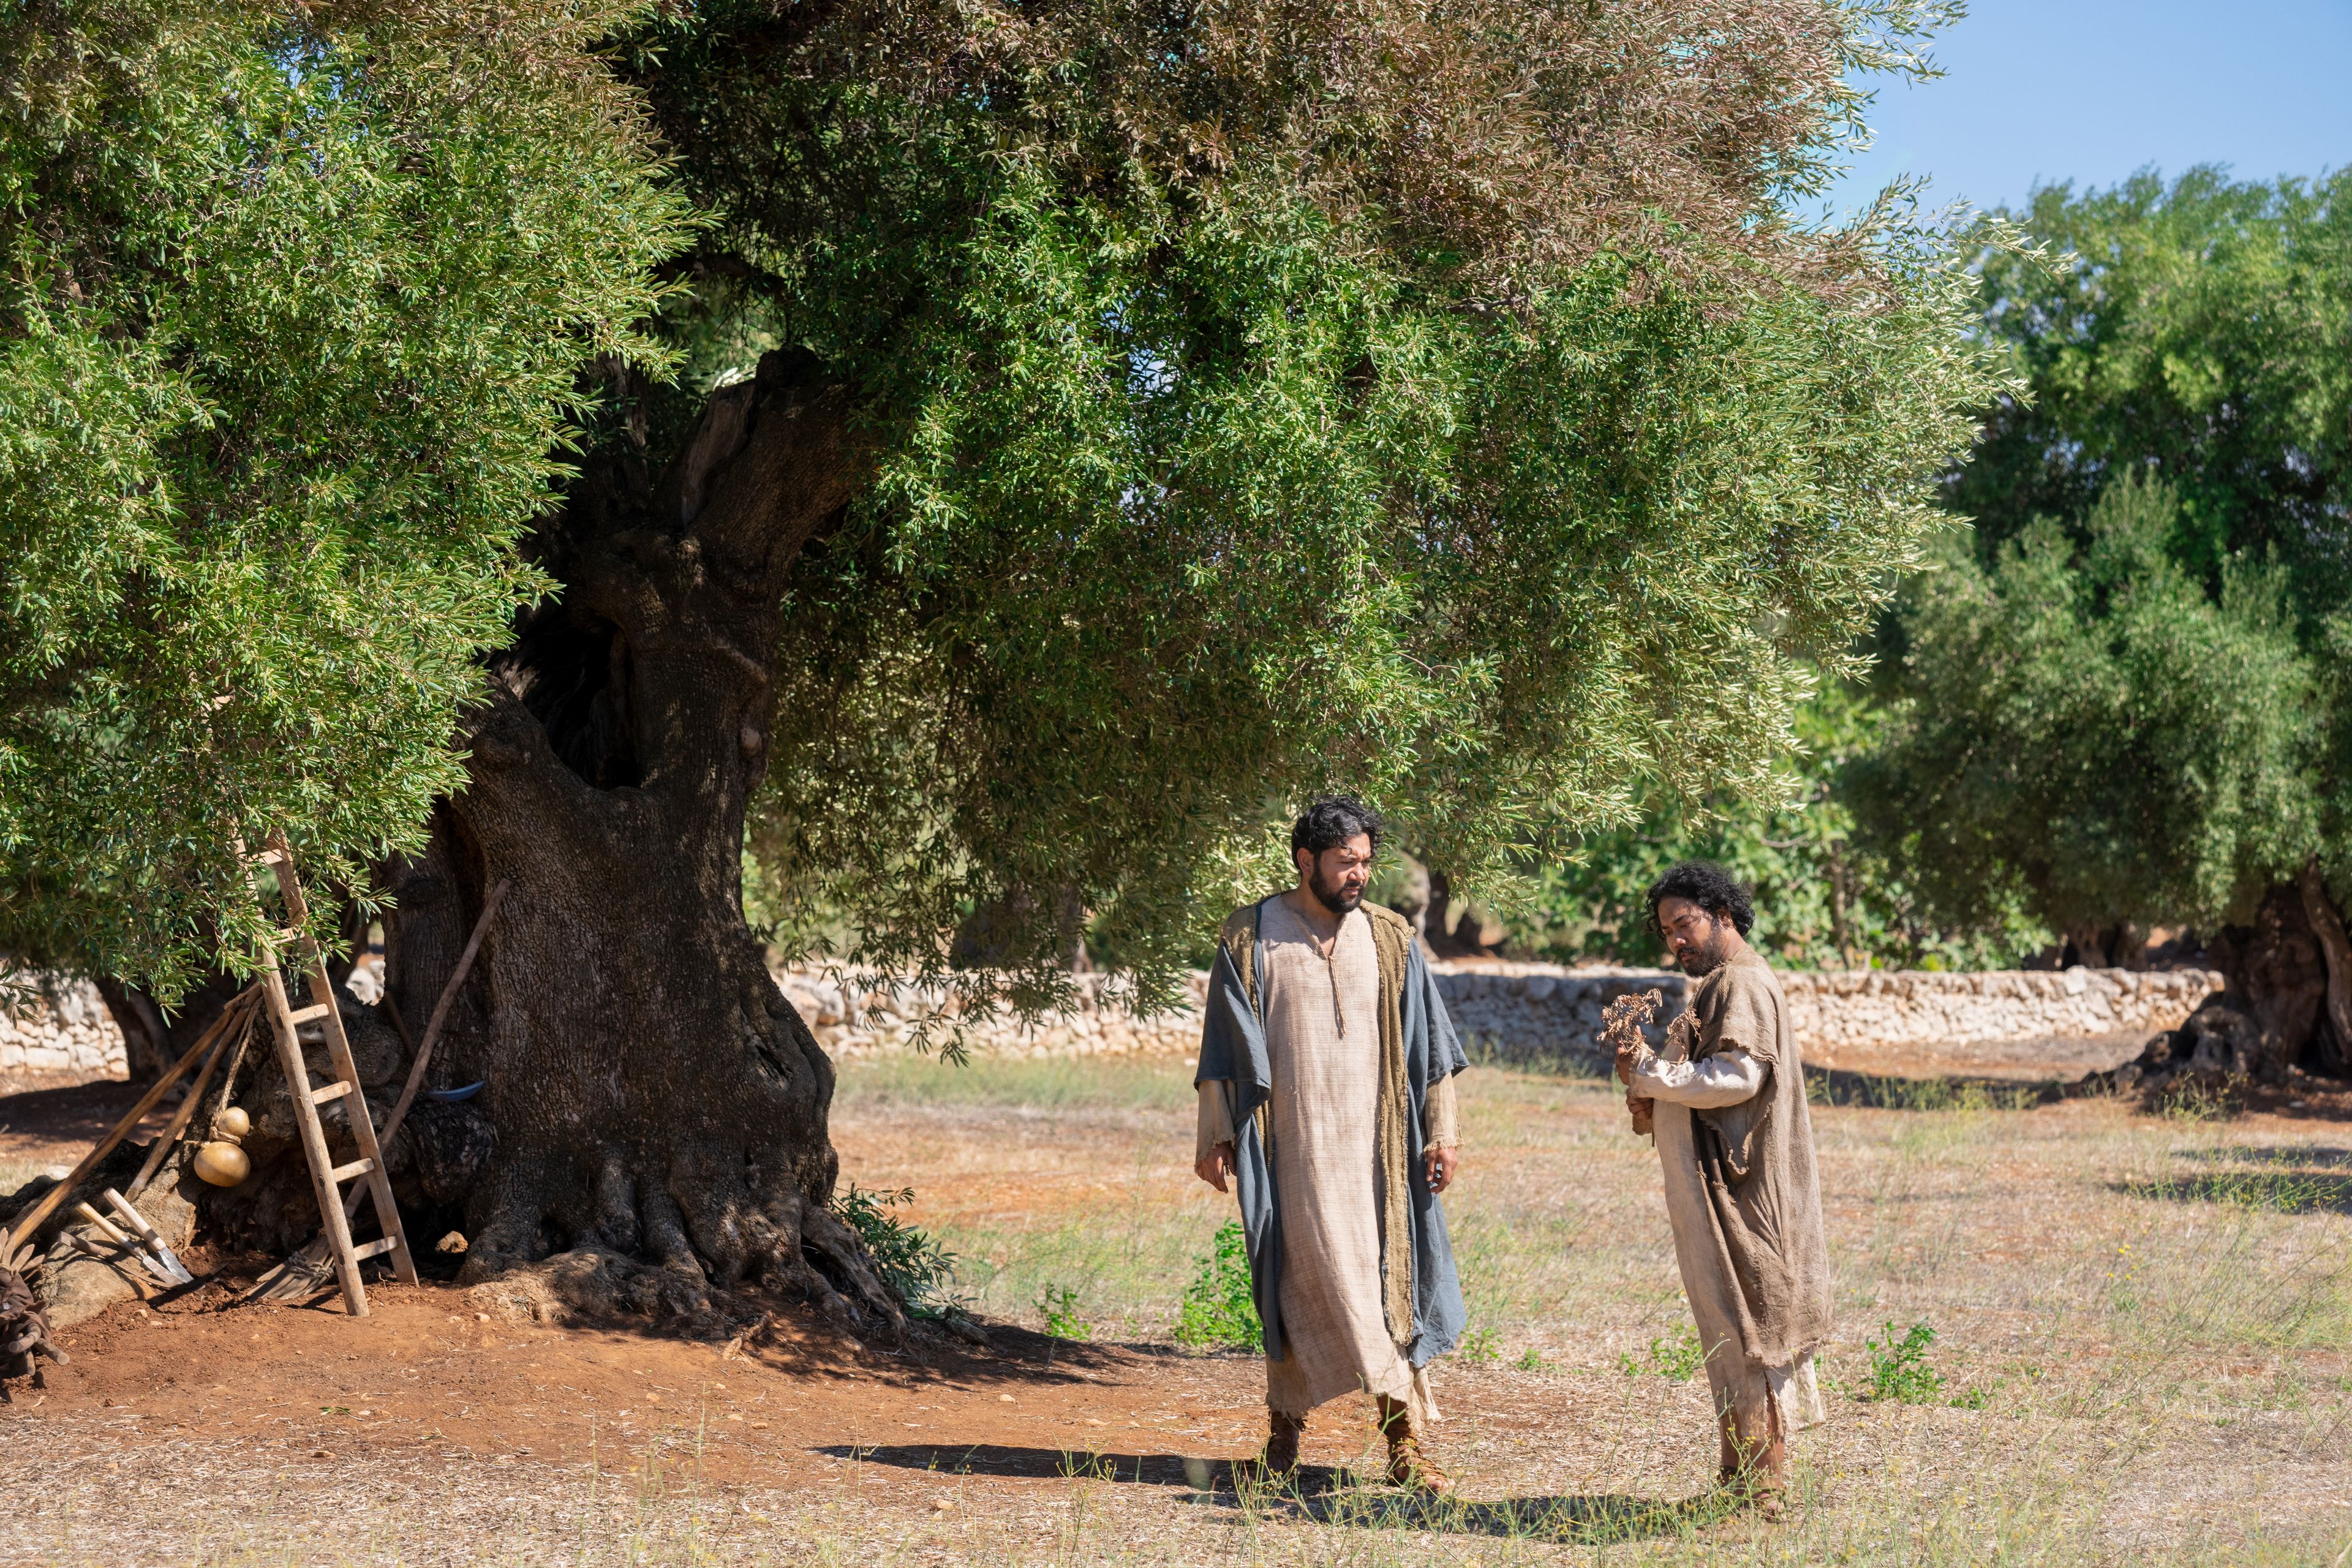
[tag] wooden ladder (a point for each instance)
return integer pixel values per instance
(326, 1176)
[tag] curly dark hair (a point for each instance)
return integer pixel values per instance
(1330, 821)
(1709, 886)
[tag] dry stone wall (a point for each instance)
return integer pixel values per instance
(1525, 1011)
(53, 1026)
(1842, 1019)
(855, 1013)
(1513, 1012)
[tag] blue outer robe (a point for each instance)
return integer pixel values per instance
(1232, 1049)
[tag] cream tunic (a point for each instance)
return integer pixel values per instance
(1323, 1044)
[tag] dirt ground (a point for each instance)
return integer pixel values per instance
(45, 1123)
(2091, 1425)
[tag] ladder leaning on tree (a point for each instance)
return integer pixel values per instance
(326, 1176)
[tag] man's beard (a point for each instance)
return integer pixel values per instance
(1703, 960)
(1338, 901)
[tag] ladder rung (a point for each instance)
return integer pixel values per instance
(342, 1173)
(376, 1248)
(333, 1091)
(304, 1014)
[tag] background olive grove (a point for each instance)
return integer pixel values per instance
(2115, 701)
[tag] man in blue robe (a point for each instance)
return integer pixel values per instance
(1325, 1087)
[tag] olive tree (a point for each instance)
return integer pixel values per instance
(2122, 702)
(1012, 455)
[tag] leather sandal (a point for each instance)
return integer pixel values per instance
(1280, 1461)
(1411, 1468)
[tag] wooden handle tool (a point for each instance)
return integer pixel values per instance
(155, 1245)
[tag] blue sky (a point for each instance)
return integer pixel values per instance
(2089, 91)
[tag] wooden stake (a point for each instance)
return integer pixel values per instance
(433, 1026)
(242, 1000)
(24, 1224)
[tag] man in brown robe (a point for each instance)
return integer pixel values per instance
(1727, 1097)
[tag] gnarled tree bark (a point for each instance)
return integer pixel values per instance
(651, 1093)
(2336, 952)
(2277, 974)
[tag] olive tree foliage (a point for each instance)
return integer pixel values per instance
(2123, 699)
(293, 304)
(1826, 898)
(2201, 333)
(1438, 402)
(2085, 728)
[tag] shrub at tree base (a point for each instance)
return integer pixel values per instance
(1220, 1311)
(1058, 1305)
(911, 1263)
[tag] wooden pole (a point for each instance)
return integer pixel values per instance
(242, 1000)
(24, 1224)
(432, 1028)
(457, 979)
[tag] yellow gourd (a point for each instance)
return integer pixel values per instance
(223, 1165)
(221, 1162)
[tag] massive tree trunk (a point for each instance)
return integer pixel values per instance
(2336, 952)
(651, 1093)
(2278, 971)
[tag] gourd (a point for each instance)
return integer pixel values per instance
(221, 1162)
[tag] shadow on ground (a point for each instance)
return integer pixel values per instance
(1321, 1493)
(1838, 1086)
(2284, 1191)
(1593, 1519)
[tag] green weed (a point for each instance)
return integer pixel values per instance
(1219, 1310)
(1899, 1369)
(1677, 1356)
(2284, 1191)
(916, 1269)
(2190, 1099)
(1478, 1347)
(1059, 1308)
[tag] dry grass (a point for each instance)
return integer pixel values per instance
(2144, 1321)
